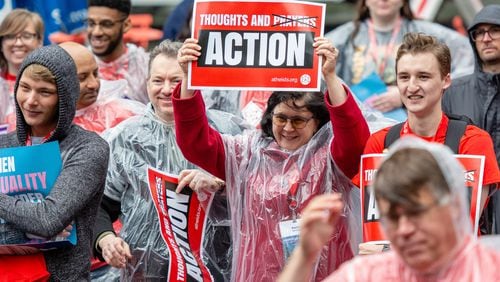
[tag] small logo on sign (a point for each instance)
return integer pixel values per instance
(305, 79)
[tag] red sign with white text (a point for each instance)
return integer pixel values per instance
(372, 229)
(258, 45)
(182, 224)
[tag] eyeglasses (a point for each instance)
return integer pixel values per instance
(478, 34)
(25, 37)
(105, 24)
(297, 121)
(415, 214)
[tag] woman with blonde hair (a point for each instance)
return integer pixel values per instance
(21, 32)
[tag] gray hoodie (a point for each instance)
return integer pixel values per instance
(79, 187)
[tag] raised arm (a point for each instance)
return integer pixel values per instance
(350, 128)
(200, 144)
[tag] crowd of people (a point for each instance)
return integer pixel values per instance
(278, 163)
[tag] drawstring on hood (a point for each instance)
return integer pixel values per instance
(62, 66)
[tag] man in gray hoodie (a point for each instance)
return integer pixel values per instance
(46, 92)
(478, 95)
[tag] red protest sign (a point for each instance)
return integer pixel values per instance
(258, 45)
(182, 223)
(474, 172)
(372, 229)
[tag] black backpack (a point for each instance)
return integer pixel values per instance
(456, 129)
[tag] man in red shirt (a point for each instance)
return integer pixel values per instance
(423, 73)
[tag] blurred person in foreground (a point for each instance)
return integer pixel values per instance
(421, 195)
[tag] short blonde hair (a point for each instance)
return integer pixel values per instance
(39, 72)
(417, 43)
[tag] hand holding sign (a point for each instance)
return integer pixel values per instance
(190, 51)
(329, 54)
(198, 181)
(325, 48)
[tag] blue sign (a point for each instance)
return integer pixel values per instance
(28, 173)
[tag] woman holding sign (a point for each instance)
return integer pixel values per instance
(272, 173)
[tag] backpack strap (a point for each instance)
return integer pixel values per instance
(455, 131)
(393, 134)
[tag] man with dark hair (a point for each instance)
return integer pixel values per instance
(46, 91)
(477, 95)
(421, 195)
(107, 21)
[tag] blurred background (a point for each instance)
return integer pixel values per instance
(64, 19)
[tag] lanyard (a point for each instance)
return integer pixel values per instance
(388, 49)
(293, 204)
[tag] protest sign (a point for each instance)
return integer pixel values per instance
(182, 222)
(257, 45)
(372, 229)
(28, 173)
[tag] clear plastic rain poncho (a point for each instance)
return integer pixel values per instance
(135, 144)
(131, 66)
(109, 109)
(259, 176)
(469, 261)
(453, 173)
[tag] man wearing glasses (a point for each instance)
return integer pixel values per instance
(107, 21)
(422, 199)
(477, 95)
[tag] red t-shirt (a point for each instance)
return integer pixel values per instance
(475, 141)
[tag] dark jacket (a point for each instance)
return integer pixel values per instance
(78, 189)
(478, 95)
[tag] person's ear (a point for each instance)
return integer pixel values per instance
(127, 25)
(447, 81)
